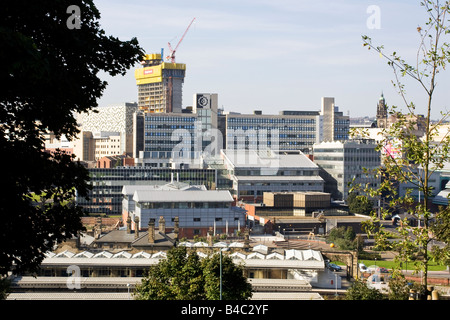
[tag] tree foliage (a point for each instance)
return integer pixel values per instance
(420, 156)
(359, 204)
(360, 291)
(344, 238)
(184, 276)
(48, 72)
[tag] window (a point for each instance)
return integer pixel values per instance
(197, 219)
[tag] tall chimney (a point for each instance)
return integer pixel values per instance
(176, 227)
(136, 227)
(151, 231)
(162, 225)
(129, 224)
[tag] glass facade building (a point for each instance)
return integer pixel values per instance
(341, 162)
(106, 194)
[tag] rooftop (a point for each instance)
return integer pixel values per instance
(268, 159)
(182, 196)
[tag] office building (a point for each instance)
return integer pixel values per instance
(290, 130)
(255, 172)
(116, 119)
(341, 162)
(335, 125)
(171, 139)
(198, 210)
(107, 184)
(160, 85)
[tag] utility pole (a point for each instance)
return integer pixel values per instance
(220, 274)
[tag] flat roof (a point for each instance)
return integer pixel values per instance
(131, 189)
(182, 196)
(278, 178)
(268, 159)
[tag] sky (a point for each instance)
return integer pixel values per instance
(276, 55)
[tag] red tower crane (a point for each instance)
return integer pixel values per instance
(171, 57)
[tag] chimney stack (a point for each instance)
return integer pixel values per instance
(136, 227)
(129, 224)
(176, 227)
(162, 225)
(151, 231)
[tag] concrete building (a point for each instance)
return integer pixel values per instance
(106, 144)
(116, 118)
(84, 147)
(129, 204)
(160, 85)
(109, 162)
(290, 130)
(341, 162)
(253, 173)
(179, 138)
(107, 184)
(198, 210)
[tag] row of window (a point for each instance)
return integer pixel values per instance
(285, 128)
(183, 205)
(271, 120)
(164, 119)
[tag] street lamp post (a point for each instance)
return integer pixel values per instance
(220, 274)
(335, 276)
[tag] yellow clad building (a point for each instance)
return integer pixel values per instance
(160, 84)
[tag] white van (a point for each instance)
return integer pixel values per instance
(362, 267)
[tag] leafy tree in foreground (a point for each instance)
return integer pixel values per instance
(420, 156)
(360, 291)
(184, 276)
(48, 72)
(359, 204)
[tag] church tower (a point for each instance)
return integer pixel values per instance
(382, 113)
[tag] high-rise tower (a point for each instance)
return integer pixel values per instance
(382, 113)
(160, 84)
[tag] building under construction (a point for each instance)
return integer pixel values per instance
(160, 84)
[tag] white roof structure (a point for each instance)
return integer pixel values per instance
(131, 189)
(236, 245)
(261, 248)
(122, 254)
(201, 244)
(267, 159)
(304, 255)
(275, 255)
(182, 196)
(49, 254)
(103, 254)
(160, 255)
(65, 254)
(84, 254)
(220, 244)
(312, 255)
(442, 197)
(238, 255)
(256, 255)
(293, 259)
(185, 244)
(141, 255)
(201, 254)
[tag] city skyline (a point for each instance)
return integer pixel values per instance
(274, 56)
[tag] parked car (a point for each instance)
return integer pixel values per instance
(362, 267)
(382, 270)
(334, 267)
(376, 269)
